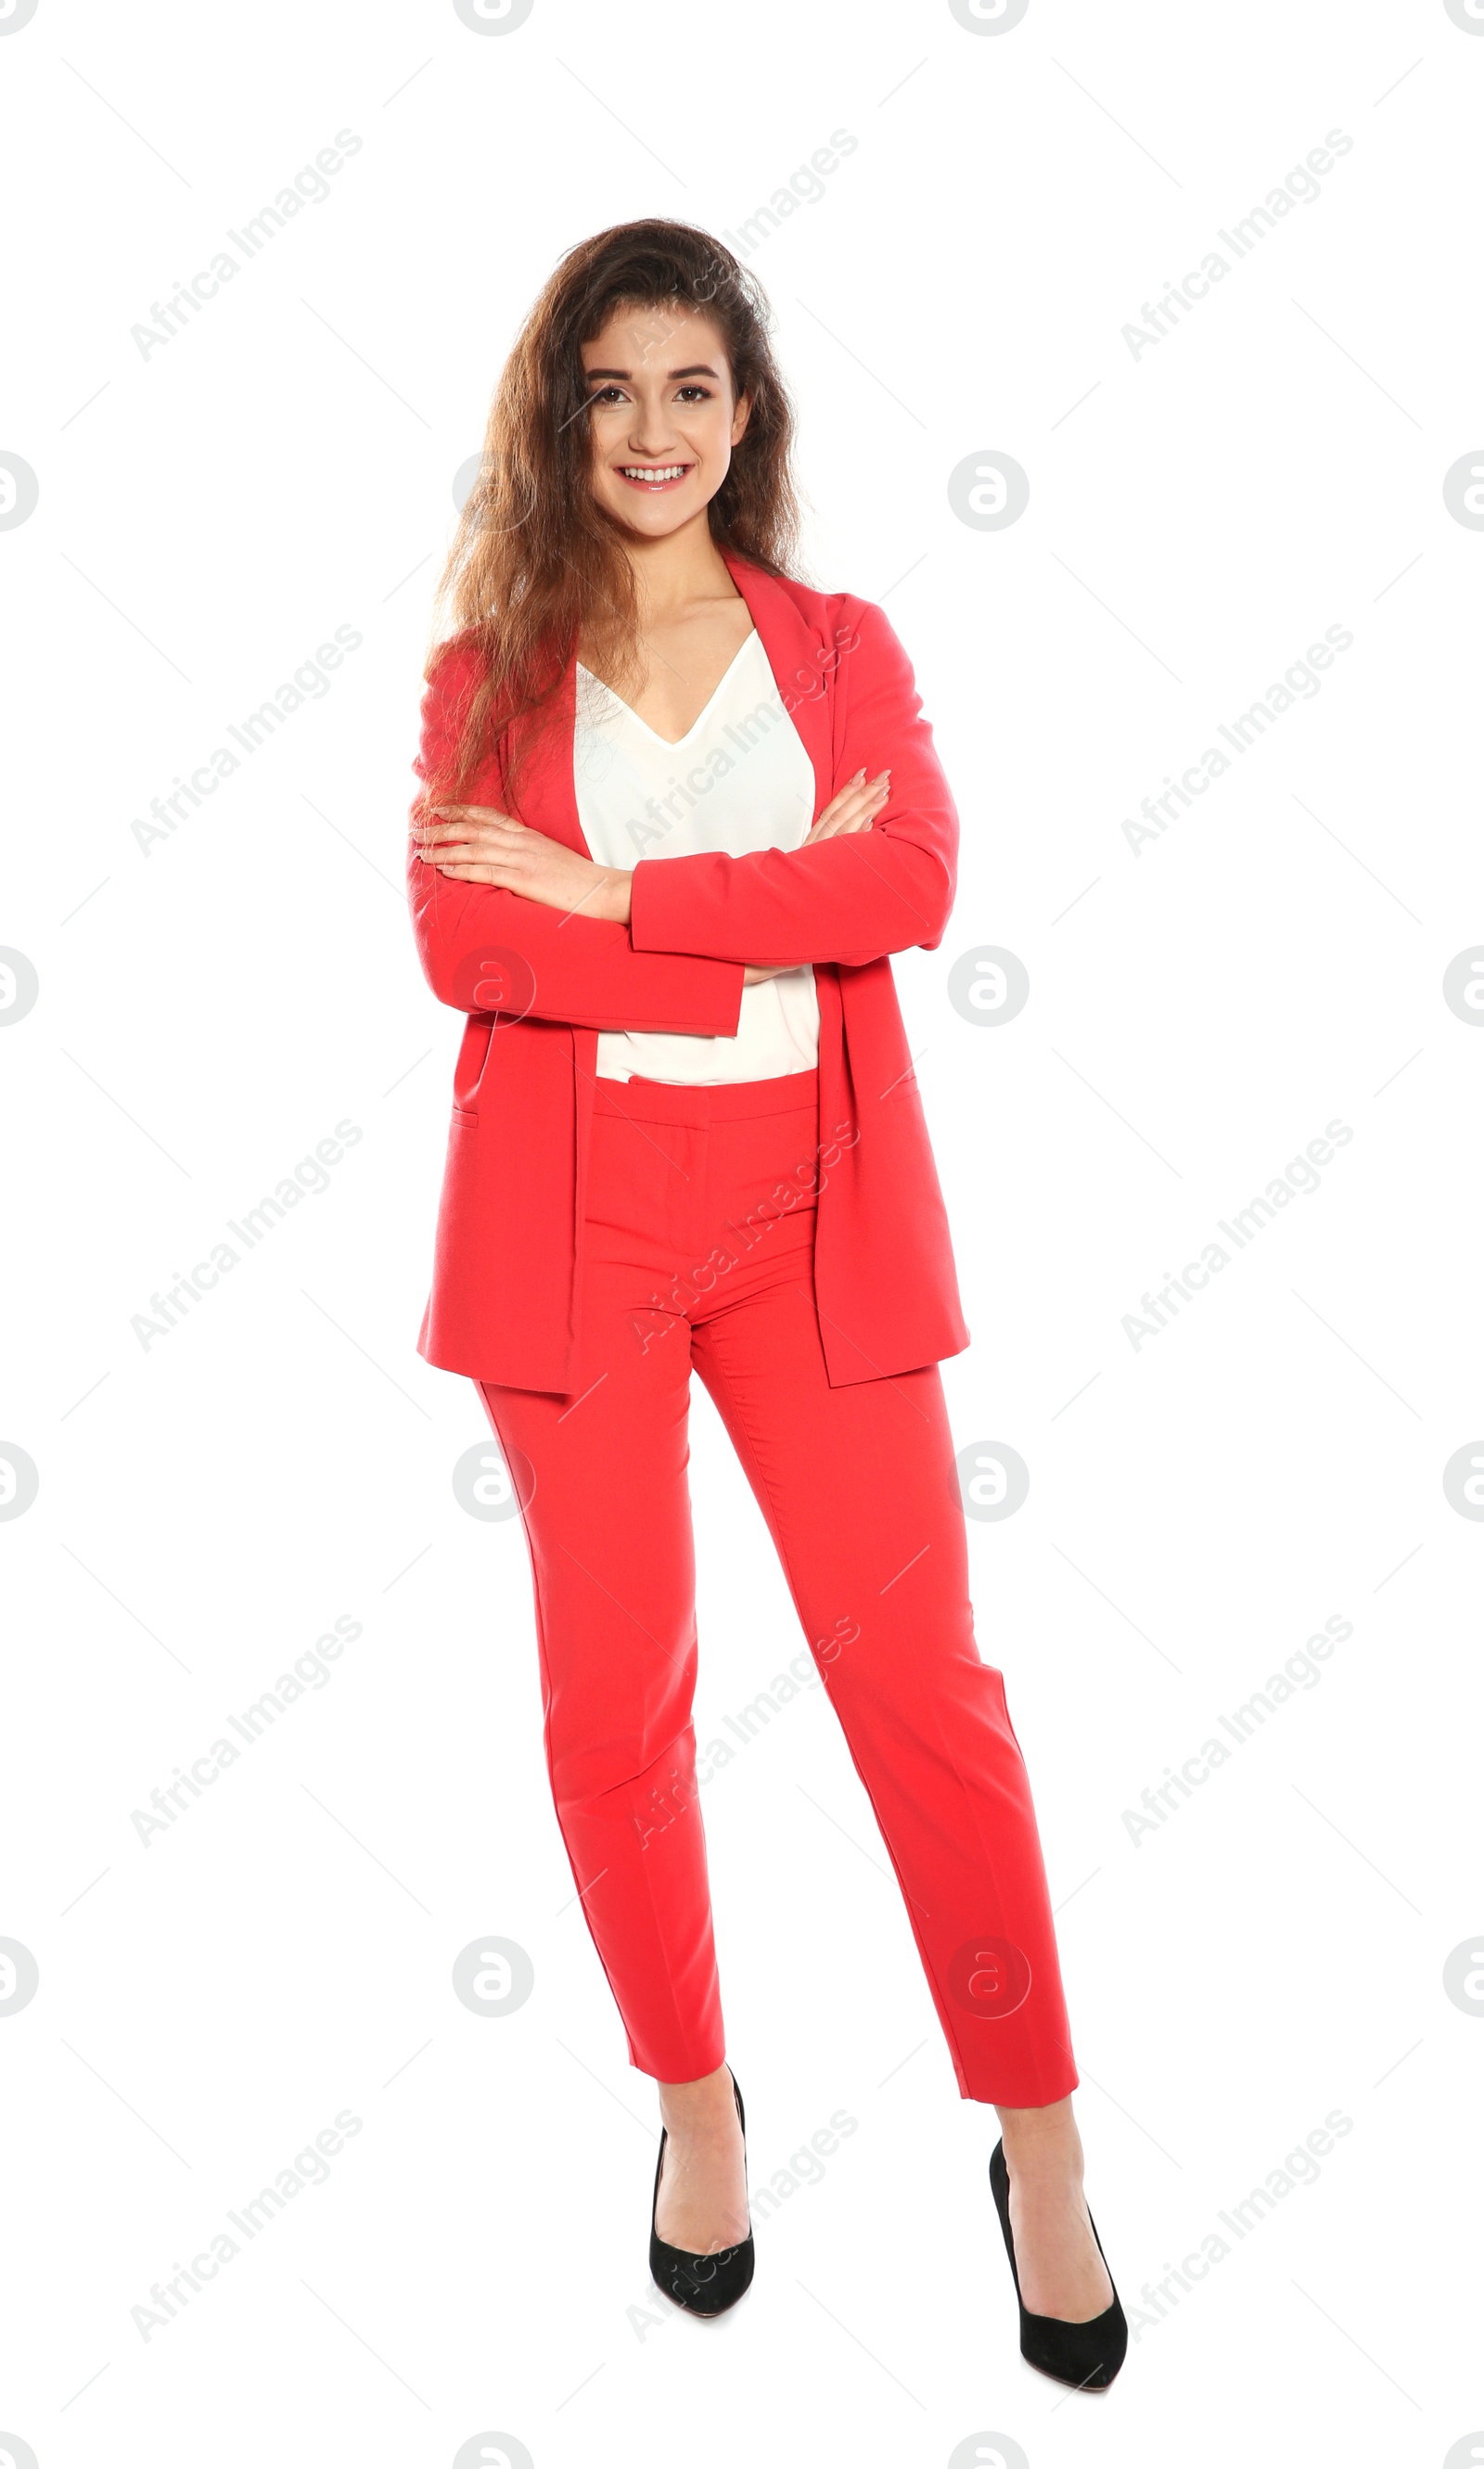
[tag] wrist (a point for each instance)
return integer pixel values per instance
(616, 894)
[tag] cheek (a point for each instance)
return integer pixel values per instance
(709, 435)
(607, 434)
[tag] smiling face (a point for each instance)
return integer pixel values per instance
(663, 414)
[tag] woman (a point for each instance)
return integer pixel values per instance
(676, 811)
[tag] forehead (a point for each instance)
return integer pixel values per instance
(656, 335)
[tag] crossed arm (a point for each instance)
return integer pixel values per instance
(479, 844)
(670, 943)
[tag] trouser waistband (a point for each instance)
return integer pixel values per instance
(700, 1103)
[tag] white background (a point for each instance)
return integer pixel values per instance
(1199, 1506)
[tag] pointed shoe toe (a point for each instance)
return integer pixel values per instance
(1086, 2356)
(702, 2284)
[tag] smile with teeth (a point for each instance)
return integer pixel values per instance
(654, 475)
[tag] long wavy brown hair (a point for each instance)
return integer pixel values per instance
(536, 563)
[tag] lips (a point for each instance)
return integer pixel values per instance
(654, 477)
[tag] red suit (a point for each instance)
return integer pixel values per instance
(597, 1239)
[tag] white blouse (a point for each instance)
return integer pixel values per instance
(738, 780)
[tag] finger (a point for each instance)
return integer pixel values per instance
(855, 783)
(436, 852)
(478, 814)
(843, 831)
(840, 810)
(867, 806)
(840, 799)
(487, 832)
(473, 843)
(857, 797)
(861, 812)
(863, 822)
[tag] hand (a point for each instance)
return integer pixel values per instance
(478, 844)
(854, 810)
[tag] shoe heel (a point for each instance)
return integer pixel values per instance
(1088, 2355)
(702, 2284)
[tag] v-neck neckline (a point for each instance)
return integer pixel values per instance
(674, 744)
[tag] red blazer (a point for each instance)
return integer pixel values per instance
(538, 987)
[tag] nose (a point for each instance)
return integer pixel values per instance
(649, 433)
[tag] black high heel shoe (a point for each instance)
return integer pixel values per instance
(702, 2284)
(1085, 2355)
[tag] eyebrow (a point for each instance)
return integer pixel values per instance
(701, 371)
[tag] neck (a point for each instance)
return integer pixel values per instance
(672, 573)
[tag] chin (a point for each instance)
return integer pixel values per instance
(653, 519)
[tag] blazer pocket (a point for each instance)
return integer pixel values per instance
(462, 1114)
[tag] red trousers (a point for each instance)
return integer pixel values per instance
(699, 1249)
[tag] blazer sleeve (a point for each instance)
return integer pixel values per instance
(854, 897)
(488, 950)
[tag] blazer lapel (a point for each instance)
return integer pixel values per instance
(546, 786)
(800, 669)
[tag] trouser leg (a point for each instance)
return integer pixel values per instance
(608, 1525)
(859, 1490)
